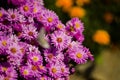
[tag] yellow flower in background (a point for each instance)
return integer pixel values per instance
(101, 37)
(82, 2)
(65, 4)
(77, 12)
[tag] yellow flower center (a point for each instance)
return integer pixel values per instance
(13, 16)
(72, 28)
(25, 72)
(34, 10)
(34, 68)
(59, 40)
(54, 70)
(22, 50)
(41, 67)
(13, 50)
(60, 26)
(1, 14)
(26, 8)
(50, 19)
(77, 25)
(19, 33)
(35, 58)
(62, 69)
(50, 56)
(4, 69)
(6, 78)
(30, 33)
(4, 43)
(79, 55)
(42, 78)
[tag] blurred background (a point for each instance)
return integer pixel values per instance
(101, 19)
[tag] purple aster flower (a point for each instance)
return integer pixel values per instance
(34, 58)
(42, 69)
(4, 42)
(79, 55)
(23, 47)
(49, 19)
(11, 73)
(54, 70)
(49, 55)
(74, 25)
(60, 26)
(64, 70)
(26, 9)
(26, 72)
(60, 39)
(14, 50)
(29, 32)
(14, 61)
(8, 73)
(2, 14)
(34, 70)
(36, 9)
(13, 15)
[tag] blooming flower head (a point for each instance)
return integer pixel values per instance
(49, 18)
(14, 50)
(34, 70)
(26, 9)
(9, 73)
(4, 42)
(60, 39)
(74, 25)
(2, 14)
(34, 58)
(101, 37)
(50, 55)
(13, 15)
(79, 55)
(64, 70)
(26, 71)
(54, 70)
(29, 32)
(60, 26)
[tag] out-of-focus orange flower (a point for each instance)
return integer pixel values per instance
(82, 2)
(108, 17)
(101, 37)
(77, 12)
(65, 4)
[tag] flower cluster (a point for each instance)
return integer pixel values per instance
(22, 55)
